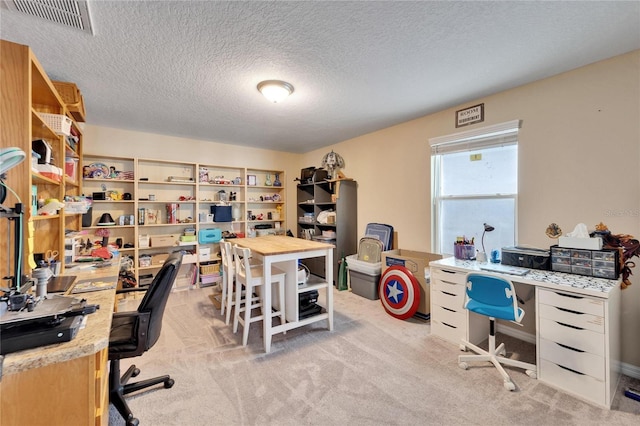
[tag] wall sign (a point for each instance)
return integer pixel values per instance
(471, 115)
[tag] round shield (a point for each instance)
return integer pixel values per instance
(399, 292)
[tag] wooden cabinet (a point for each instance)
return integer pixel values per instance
(154, 202)
(328, 211)
(31, 109)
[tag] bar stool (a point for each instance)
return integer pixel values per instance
(228, 272)
(251, 277)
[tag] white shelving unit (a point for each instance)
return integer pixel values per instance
(189, 190)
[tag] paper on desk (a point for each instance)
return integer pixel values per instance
(580, 231)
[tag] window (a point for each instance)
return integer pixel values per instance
(475, 181)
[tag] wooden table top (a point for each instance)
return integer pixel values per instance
(278, 244)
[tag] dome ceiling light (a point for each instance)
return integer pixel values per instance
(275, 90)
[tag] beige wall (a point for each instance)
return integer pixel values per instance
(579, 151)
(579, 161)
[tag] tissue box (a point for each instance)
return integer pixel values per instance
(581, 243)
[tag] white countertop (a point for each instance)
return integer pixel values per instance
(592, 286)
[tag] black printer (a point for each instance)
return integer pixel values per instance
(526, 257)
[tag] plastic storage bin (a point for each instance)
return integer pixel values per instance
(364, 285)
(365, 277)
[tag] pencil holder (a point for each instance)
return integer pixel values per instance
(464, 251)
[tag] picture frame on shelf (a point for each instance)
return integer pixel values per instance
(153, 216)
(252, 180)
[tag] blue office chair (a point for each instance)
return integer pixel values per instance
(494, 297)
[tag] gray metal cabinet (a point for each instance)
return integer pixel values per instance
(315, 202)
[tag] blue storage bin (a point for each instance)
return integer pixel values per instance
(221, 213)
(208, 236)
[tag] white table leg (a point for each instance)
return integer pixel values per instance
(329, 274)
(266, 304)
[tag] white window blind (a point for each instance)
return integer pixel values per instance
(474, 177)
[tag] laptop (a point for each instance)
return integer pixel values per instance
(60, 284)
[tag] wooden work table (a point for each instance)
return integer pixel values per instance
(64, 383)
(285, 252)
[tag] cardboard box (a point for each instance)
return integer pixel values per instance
(159, 259)
(163, 240)
(416, 262)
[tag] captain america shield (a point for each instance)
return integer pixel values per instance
(399, 292)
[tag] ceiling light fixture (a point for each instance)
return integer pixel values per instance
(275, 90)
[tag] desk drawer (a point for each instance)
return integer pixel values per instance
(446, 298)
(448, 276)
(572, 302)
(582, 339)
(581, 362)
(572, 318)
(454, 318)
(448, 324)
(447, 331)
(579, 384)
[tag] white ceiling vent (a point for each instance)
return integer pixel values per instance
(70, 13)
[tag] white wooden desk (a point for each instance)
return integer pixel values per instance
(577, 325)
(284, 253)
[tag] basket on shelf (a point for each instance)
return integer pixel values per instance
(61, 124)
(72, 97)
(209, 269)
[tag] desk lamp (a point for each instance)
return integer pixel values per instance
(487, 228)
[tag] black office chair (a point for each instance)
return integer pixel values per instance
(135, 332)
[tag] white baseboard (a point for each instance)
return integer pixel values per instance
(630, 370)
(513, 332)
(626, 369)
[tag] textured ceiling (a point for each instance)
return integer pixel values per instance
(190, 68)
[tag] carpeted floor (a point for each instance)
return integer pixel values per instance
(371, 370)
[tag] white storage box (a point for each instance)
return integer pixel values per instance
(61, 124)
(368, 268)
(204, 254)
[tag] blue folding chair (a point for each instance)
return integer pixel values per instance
(494, 297)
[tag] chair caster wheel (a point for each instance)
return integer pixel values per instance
(463, 365)
(133, 422)
(169, 383)
(136, 371)
(509, 386)
(532, 374)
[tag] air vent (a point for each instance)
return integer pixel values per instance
(70, 13)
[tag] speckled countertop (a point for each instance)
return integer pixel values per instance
(592, 286)
(89, 340)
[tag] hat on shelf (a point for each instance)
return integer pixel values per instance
(106, 220)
